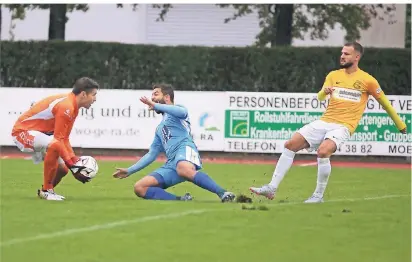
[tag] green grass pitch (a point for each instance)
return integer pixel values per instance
(366, 217)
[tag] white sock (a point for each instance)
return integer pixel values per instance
(284, 163)
(324, 170)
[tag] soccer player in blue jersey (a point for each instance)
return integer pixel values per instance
(183, 163)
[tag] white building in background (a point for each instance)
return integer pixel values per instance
(185, 24)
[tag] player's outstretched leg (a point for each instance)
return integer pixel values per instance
(325, 150)
(50, 170)
(206, 182)
(187, 170)
(296, 143)
(151, 187)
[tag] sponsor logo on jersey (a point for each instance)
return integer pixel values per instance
(347, 94)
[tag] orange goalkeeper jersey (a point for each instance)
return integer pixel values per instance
(348, 101)
(52, 115)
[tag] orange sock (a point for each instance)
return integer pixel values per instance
(51, 164)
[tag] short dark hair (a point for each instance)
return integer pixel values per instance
(358, 47)
(84, 84)
(166, 90)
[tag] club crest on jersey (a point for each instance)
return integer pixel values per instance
(347, 94)
(359, 85)
(67, 113)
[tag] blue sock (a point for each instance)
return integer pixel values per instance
(204, 181)
(159, 194)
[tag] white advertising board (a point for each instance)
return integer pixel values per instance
(220, 121)
(119, 120)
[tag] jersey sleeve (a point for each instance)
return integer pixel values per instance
(155, 149)
(69, 148)
(63, 125)
(386, 104)
(174, 110)
(327, 83)
(374, 88)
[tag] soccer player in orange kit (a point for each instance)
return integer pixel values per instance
(44, 132)
(349, 89)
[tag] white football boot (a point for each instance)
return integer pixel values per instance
(266, 191)
(314, 199)
(49, 195)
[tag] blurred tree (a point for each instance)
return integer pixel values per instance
(57, 16)
(164, 9)
(17, 12)
(408, 26)
(0, 19)
(280, 23)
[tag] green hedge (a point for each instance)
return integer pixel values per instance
(121, 66)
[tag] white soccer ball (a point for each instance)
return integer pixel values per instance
(91, 166)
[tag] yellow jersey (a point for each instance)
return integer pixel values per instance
(350, 96)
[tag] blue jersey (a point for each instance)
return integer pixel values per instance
(172, 133)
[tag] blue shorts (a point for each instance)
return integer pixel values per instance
(167, 175)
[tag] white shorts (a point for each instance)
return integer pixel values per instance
(317, 131)
(34, 143)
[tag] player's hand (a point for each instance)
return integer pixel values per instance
(328, 90)
(403, 131)
(76, 169)
(76, 173)
(121, 173)
(83, 179)
(148, 102)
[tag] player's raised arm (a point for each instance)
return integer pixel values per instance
(379, 95)
(326, 89)
(163, 102)
(143, 162)
(174, 110)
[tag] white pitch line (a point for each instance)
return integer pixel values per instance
(99, 227)
(309, 164)
(346, 182)
(159, 217)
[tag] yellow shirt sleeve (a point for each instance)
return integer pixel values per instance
(375, 91)
(328, 83)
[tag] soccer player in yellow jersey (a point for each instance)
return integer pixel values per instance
(349, 89)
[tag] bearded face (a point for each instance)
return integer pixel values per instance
(158, 97)
(348, 57)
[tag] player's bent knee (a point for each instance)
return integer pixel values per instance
(296, 143)
(141, 186)
(289, 145)
(140, 190)
(324, 153)
(326, 149)
(186, 169)
(55, 146)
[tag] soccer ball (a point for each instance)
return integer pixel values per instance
(91, 166)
